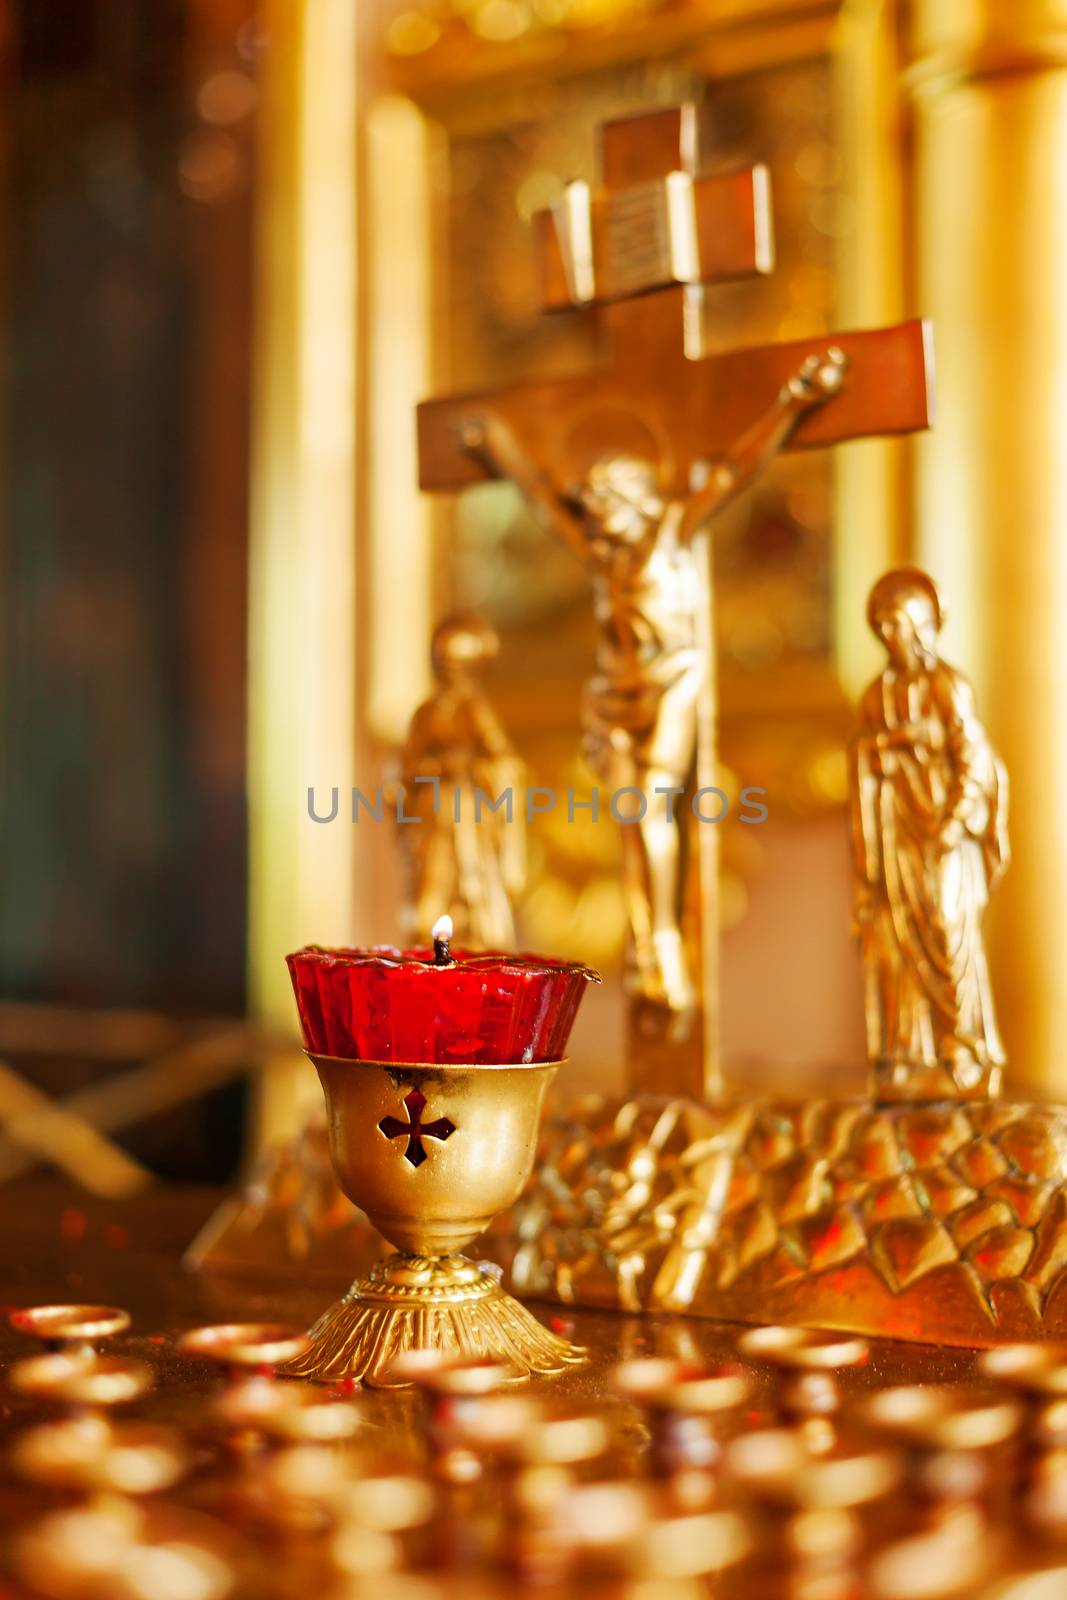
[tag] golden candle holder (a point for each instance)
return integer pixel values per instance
(432, 1152)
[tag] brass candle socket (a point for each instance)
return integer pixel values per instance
(431, 1152)
(952, 1436)
(684, 1406)
(74, 1329)
(249, 1354)
(453, 1392)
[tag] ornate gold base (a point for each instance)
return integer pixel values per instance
(939, 1082)
(442, 1303)
(945, 1224)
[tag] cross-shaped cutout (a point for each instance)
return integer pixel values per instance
(415, 1129)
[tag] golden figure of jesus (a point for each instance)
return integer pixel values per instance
(641, 706)
(929, 827)
(462, 854)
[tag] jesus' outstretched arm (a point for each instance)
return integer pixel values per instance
(815, 381)
(488, 435)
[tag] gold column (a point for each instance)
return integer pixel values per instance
(871, 476)
(302, 581)
(401, 265)
(988, 87)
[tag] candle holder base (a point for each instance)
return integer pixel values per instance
(446, 1303)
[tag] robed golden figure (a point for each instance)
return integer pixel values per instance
(462, 825)
(929, 824)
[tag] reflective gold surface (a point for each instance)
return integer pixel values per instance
(459, 853)
(431, 1153)
(304, 583)
(930, 840)
(258, 1346)
(299, 1523)
(79, 1381)
(411, 1303)
(985, 95)
(70, 1326)
(945, 1223)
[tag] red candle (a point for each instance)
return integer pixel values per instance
(485, 1008)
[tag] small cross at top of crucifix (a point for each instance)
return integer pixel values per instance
(641, 252)
(656, 223)
(415, 1129)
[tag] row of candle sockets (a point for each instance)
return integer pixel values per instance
(727, 1492)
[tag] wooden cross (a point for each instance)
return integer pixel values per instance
(415, 1129)
(641, 253)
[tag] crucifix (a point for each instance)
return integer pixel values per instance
(629, 463)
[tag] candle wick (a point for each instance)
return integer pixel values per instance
(442, 942)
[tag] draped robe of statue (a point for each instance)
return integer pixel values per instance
(463, 853)
(930, 799)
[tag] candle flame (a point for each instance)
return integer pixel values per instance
(442, 929)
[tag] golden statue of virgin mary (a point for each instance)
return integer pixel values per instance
(929, 828)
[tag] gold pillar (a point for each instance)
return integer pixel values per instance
(987, 81)
(401, 265)
(302, 577)
(871, 476)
